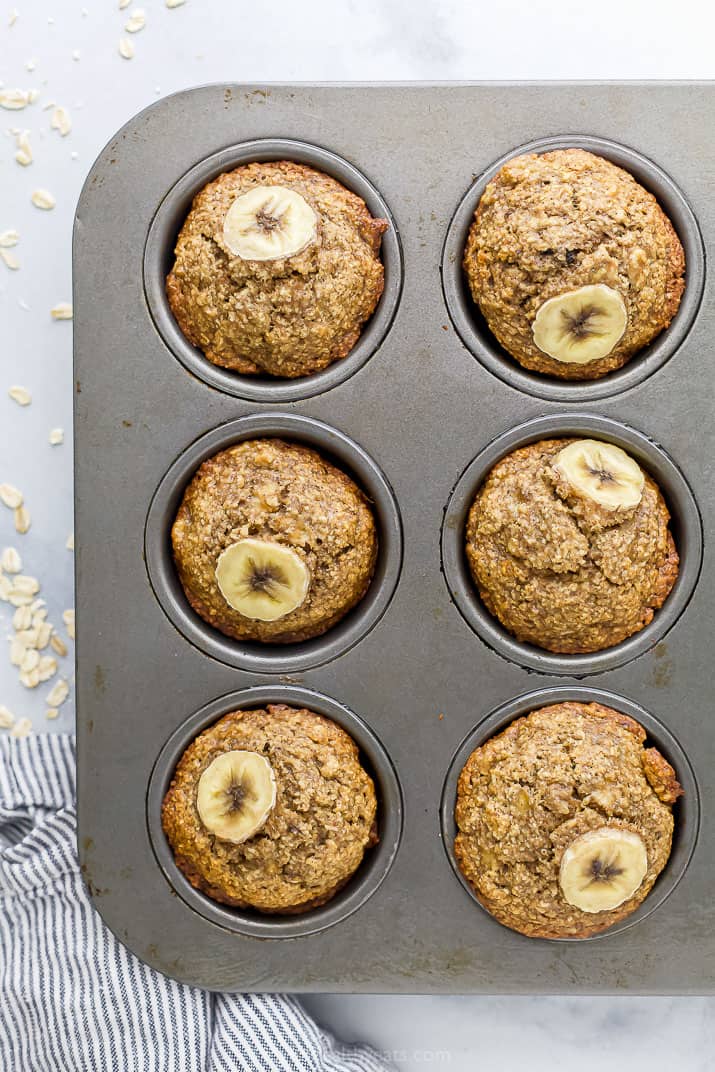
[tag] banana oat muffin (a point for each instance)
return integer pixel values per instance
(573, 264)
(270, 809)
(272, 542)
(565, 820)
(569, 546)
(277, 269)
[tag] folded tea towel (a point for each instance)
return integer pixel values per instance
(73, 999)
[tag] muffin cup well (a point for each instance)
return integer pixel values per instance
(685, 524)
(159, 254)
(253, 655)
(472, 327)
(376, 862)
(686, 811)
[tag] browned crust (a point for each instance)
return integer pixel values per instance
(503, 578)
(660, 775)
(300, 739)
(481, 258)
(306, 480)
(266, 317)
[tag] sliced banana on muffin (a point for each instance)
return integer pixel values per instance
(261, 579)
(582, 325)
(603, 868)
(269, 223)
(602, 473)
(236, 794)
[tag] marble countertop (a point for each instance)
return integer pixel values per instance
(69, 54)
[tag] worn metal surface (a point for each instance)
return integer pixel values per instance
(422, 407)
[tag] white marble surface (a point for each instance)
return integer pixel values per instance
(215, 40)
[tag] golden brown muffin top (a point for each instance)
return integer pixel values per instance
(552, 222)
(287, 317)
(286, 493)
(315, 836)
(526, 794)
(557, 571)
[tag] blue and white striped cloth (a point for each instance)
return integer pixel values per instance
(73, 999)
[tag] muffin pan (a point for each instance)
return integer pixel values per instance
(418, 666)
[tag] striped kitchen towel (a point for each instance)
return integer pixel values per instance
(73, 999)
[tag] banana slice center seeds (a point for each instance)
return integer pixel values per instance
(262, 580)
(602, 868)
(601, 472)
(236, 794)
(269, 223)
(582, 325)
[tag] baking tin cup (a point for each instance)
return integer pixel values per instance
(686, 811)
(471, 325)
(159, 256)
(685, 524)
(377, 861)
(253, 655)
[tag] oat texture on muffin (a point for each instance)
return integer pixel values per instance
(565, 820)
(272, 542)
(569, 545)
(277, 268)
(270, 809)
(574, 265)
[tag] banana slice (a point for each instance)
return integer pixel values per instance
(236, 794)
(269, 223)
(261, 579)
(602, 869)
(601, 472)
(582, 325)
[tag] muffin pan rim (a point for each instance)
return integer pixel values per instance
(158, 250)
(679, 498)
(255, 656)
(687, 825)
(484, 347)
(376, 862)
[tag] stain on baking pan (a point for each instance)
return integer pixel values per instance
(471, 325)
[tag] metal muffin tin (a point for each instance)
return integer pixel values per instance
(415, 671)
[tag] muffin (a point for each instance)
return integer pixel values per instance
(273, 543)
(565, 820)
(277, 269)
(573, 264)
(270, 809)
(569, 547)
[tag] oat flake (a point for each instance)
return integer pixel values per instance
(20, 395)
(10, 560)
(22, 520)
(43, 199)
(10, 260)
(61, 121)
(10, 496)
(58, 693)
